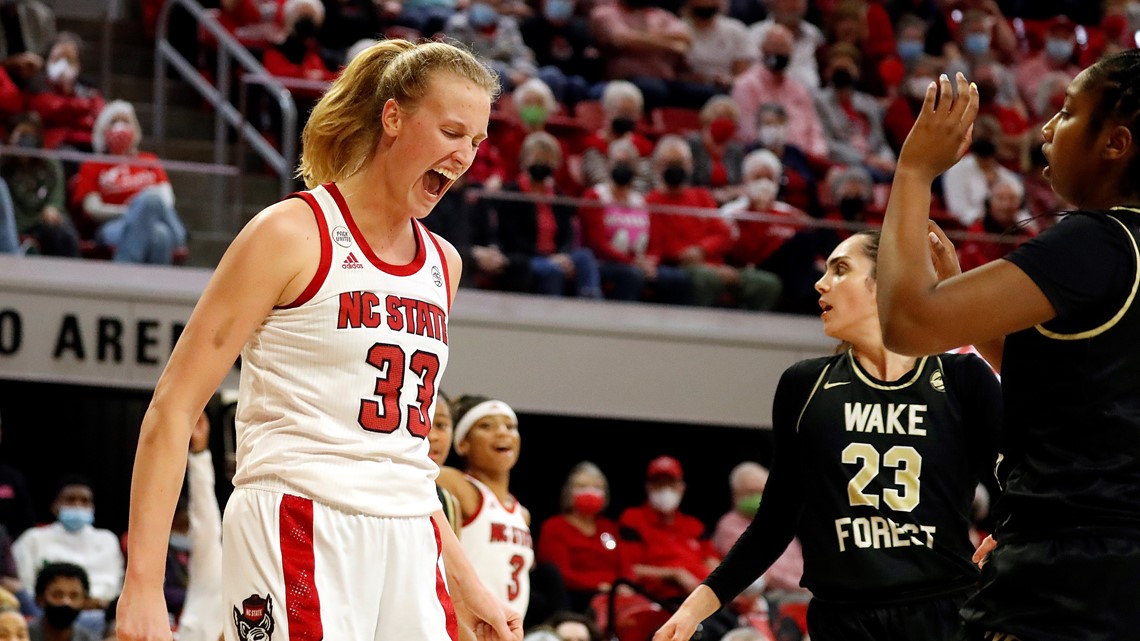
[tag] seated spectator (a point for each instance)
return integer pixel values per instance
(67, 106)
(567, 59)
(806, 39)
(496, 38)
(1006, 216)
(698, 243)
(716, 152)
(721, 47)
(38, 191)
(966, 185)
(850, 199)
(769, 81)
(623, 107)
(580, 541)
(28, 28)
(798, 187)
(902, 109)
(852, 120)
(72, 538)
(616, 230)
(130, 200)
(983, 34)
(298, 54)
(910, 39)
(534, 104)
(13, 625)
(1058, 55)
(647, 45)
(62, 593)
(544, 232)
(1014, 133)
(786, 249)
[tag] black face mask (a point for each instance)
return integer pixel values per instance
(60, 617)
(622, 174)
(28, 141)
(305, 28)
(622, 126)
(842, 79)
(777, 62)
(983, 148)
(675, 175)
(704, 13)
(539, 172)
(851, 206)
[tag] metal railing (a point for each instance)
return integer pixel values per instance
(218, 95)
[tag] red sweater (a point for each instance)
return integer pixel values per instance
(680, 542)
(670, 234)
(586, 561)
(758, 241)
(67, 118)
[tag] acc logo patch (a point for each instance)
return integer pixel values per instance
(436, 277)
(936, 381)
(341, 236)
(255, 619)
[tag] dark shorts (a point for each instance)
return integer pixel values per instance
(1065, 589)
(931, 620)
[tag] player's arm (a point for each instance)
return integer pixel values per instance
(920, 315)
(774, 525)
(490, 619)
(269, 263)
(464, 491)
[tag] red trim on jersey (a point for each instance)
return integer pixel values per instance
(471, 519)
(326, 252)
(302, 603)
(441, 589)
(395, 270)
(442, 260)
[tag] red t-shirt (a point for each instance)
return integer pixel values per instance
(680, 542)
(116, 183)
(586, 561)
(670, 234)
(759, 240)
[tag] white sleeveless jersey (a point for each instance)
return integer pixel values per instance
(498, 543)
(338, 388)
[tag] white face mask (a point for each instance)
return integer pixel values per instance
(773, 135)
(60, 70)
(665, 500)
(762, 191)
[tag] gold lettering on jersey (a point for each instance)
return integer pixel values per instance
(879, 533)
(503, 533)
(871, 417)
(401, 314)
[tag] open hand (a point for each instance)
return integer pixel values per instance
(942, 253)
(942, 133)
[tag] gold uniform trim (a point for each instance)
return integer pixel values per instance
(918, 369)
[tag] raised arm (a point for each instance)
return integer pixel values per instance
(919, 314)
(269, 263)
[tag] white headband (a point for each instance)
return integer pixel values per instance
(486, 408)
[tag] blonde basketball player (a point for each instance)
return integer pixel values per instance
(337, 303)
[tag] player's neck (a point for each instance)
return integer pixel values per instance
(497, 482)
(882, 363)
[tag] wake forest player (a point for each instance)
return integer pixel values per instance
(877, 456)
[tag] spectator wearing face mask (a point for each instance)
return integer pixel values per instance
(130, 203)
(62, 593)
(37, 188)
(769, 81)
(67, 106)
(1058, 55)
(966, 185)
(721, 50)
(695, 242)
(798, 185)
(580, 541)
(852, 120)
(806, 38)
(787, 248)
(496, 38)
(564, 51)
(716, 152)
(622, 107)
(616, 229)
(543, 232)
(298, 54)
(73, 538)
(850, 199)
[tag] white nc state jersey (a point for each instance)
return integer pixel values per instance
(338, 388)
(498, 544)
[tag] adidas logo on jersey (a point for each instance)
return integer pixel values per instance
(351, 262)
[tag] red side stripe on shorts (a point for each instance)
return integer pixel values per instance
(302, 603)
(441, 589)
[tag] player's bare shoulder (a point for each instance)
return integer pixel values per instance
(283, 243)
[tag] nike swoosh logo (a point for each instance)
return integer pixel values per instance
(830, 385)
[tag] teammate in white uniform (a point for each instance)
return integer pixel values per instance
(496, 527)
(337, 302)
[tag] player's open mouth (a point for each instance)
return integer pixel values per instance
(438, 179)
(824, 307)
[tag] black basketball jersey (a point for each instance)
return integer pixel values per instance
(876, 478)
(1072, 385)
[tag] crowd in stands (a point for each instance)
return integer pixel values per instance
(583, 188)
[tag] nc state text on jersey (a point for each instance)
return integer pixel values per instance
(363, 309)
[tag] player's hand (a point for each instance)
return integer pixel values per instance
(492, 619)
(942, 253)
(980, 555)
(942, 133)
(679, 627)
(141, 616)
